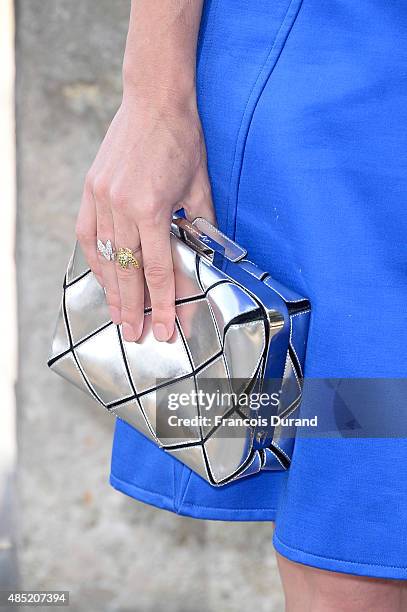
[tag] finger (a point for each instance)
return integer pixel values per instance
(159, 275)
(86, 231)
(130, 280)
(105, 232)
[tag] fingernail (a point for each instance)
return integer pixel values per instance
(116, 315)
(161, 332)
(128, 332)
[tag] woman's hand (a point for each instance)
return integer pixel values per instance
(151, 163)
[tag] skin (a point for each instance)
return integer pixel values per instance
(152, 162)
(308, 589)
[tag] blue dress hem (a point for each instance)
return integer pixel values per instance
(192, 510)
(339, 565)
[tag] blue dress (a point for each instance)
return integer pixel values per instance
(304, 108)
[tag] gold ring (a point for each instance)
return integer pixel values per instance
(125, 258)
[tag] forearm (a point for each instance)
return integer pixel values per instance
(160, 55)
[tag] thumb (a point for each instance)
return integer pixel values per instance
(199, 201)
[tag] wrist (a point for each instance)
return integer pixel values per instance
(161, 89)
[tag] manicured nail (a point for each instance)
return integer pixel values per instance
(161, 332)
(128, 332)
(116, 315)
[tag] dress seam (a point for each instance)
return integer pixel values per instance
(203, 65)
(184, 492)
(131, 484)
(249, 119)
(190, 504)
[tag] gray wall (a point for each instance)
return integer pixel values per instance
(76, 532)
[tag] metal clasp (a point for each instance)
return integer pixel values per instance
(207, 239)
(200, 242)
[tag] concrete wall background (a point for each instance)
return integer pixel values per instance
(76, 532)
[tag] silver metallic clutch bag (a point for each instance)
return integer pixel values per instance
(221, 393)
